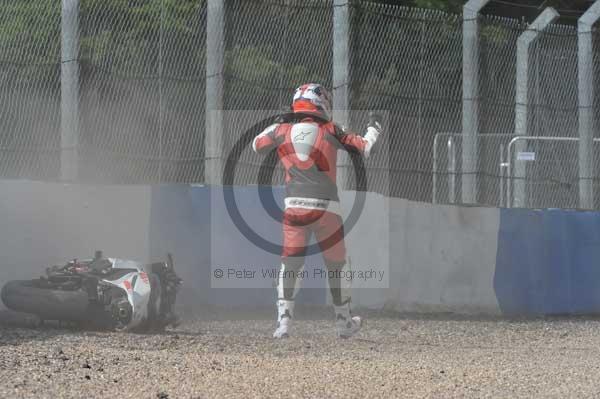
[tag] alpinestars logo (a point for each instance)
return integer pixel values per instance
(300, 136)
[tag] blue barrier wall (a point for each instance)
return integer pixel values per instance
(442, 258)
(547, 262)
(180, 224)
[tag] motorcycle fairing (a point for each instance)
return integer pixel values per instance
(126, 264)
(137, 288)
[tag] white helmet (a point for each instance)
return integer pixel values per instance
(312, 98)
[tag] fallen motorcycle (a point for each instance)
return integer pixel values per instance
(105, 293)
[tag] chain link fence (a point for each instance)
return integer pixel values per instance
(143, 90)
(270, 48)
(407, 62)
(29, 90)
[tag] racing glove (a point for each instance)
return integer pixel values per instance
(374, 129)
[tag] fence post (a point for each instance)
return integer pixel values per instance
(470, 109)
(435, 169)
(161, 43)
(522, 98)
(69, 91)
(341, 78)
(451, 169)
(502, 177)
(586, 101)
(213, 139)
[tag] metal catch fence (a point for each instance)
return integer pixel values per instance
(103, 91)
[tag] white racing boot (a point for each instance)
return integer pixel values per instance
(285, 304)
(285, 312)
(346, 325)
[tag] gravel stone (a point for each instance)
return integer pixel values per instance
(229, 354)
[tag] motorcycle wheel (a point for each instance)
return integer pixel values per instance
(48, 304)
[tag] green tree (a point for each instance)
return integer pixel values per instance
(454, 6)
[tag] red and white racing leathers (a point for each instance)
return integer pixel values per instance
(308, 152)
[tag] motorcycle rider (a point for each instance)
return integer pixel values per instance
(307, 147)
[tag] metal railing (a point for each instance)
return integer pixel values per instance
(513, 178)
(488, 166)
(521, 195)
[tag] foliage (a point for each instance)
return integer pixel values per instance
(29, 31)
(454, 6)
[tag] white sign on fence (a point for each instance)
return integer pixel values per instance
(526, 156)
